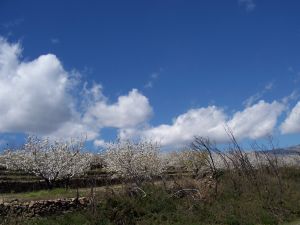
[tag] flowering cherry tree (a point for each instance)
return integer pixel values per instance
(50, 160)
(189, 160)
(134, 161)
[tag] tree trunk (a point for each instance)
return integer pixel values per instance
(67, 183)
(49, 184)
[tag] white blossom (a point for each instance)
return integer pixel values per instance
(50, 160)
(134, 161)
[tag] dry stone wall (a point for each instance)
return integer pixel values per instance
(41, 208)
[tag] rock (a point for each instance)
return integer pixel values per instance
(81, 201)
(31, 204)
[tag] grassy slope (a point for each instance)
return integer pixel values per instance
(42, 195)
(159, 207)
(55, 193)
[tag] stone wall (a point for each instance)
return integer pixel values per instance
(41, 208)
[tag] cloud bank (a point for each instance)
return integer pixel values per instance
(253, 122)
(37, 97)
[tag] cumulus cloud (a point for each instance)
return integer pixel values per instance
(76, 128)
(202, 121)
(130, 110)
(36, 97)
(33, 94)
(257, 120)
(253, 122)
(292, 123)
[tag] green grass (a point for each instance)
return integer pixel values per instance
(245, 207)
(55, 193)
(45, 194)
(160, 208)
(42, 194)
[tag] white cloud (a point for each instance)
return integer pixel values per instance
(75, 128)
(129, 111)
(257, 120)
(252, 99)
(202, 121)
(36, 97)
(253, 122)
(33, 94)
(248, 4)
(292, 123)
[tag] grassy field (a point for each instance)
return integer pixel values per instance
(159, 207)
(115, 205)
(240, 200)
(43, 195)
(55, 193)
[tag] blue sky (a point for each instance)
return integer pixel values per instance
(165, 70)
